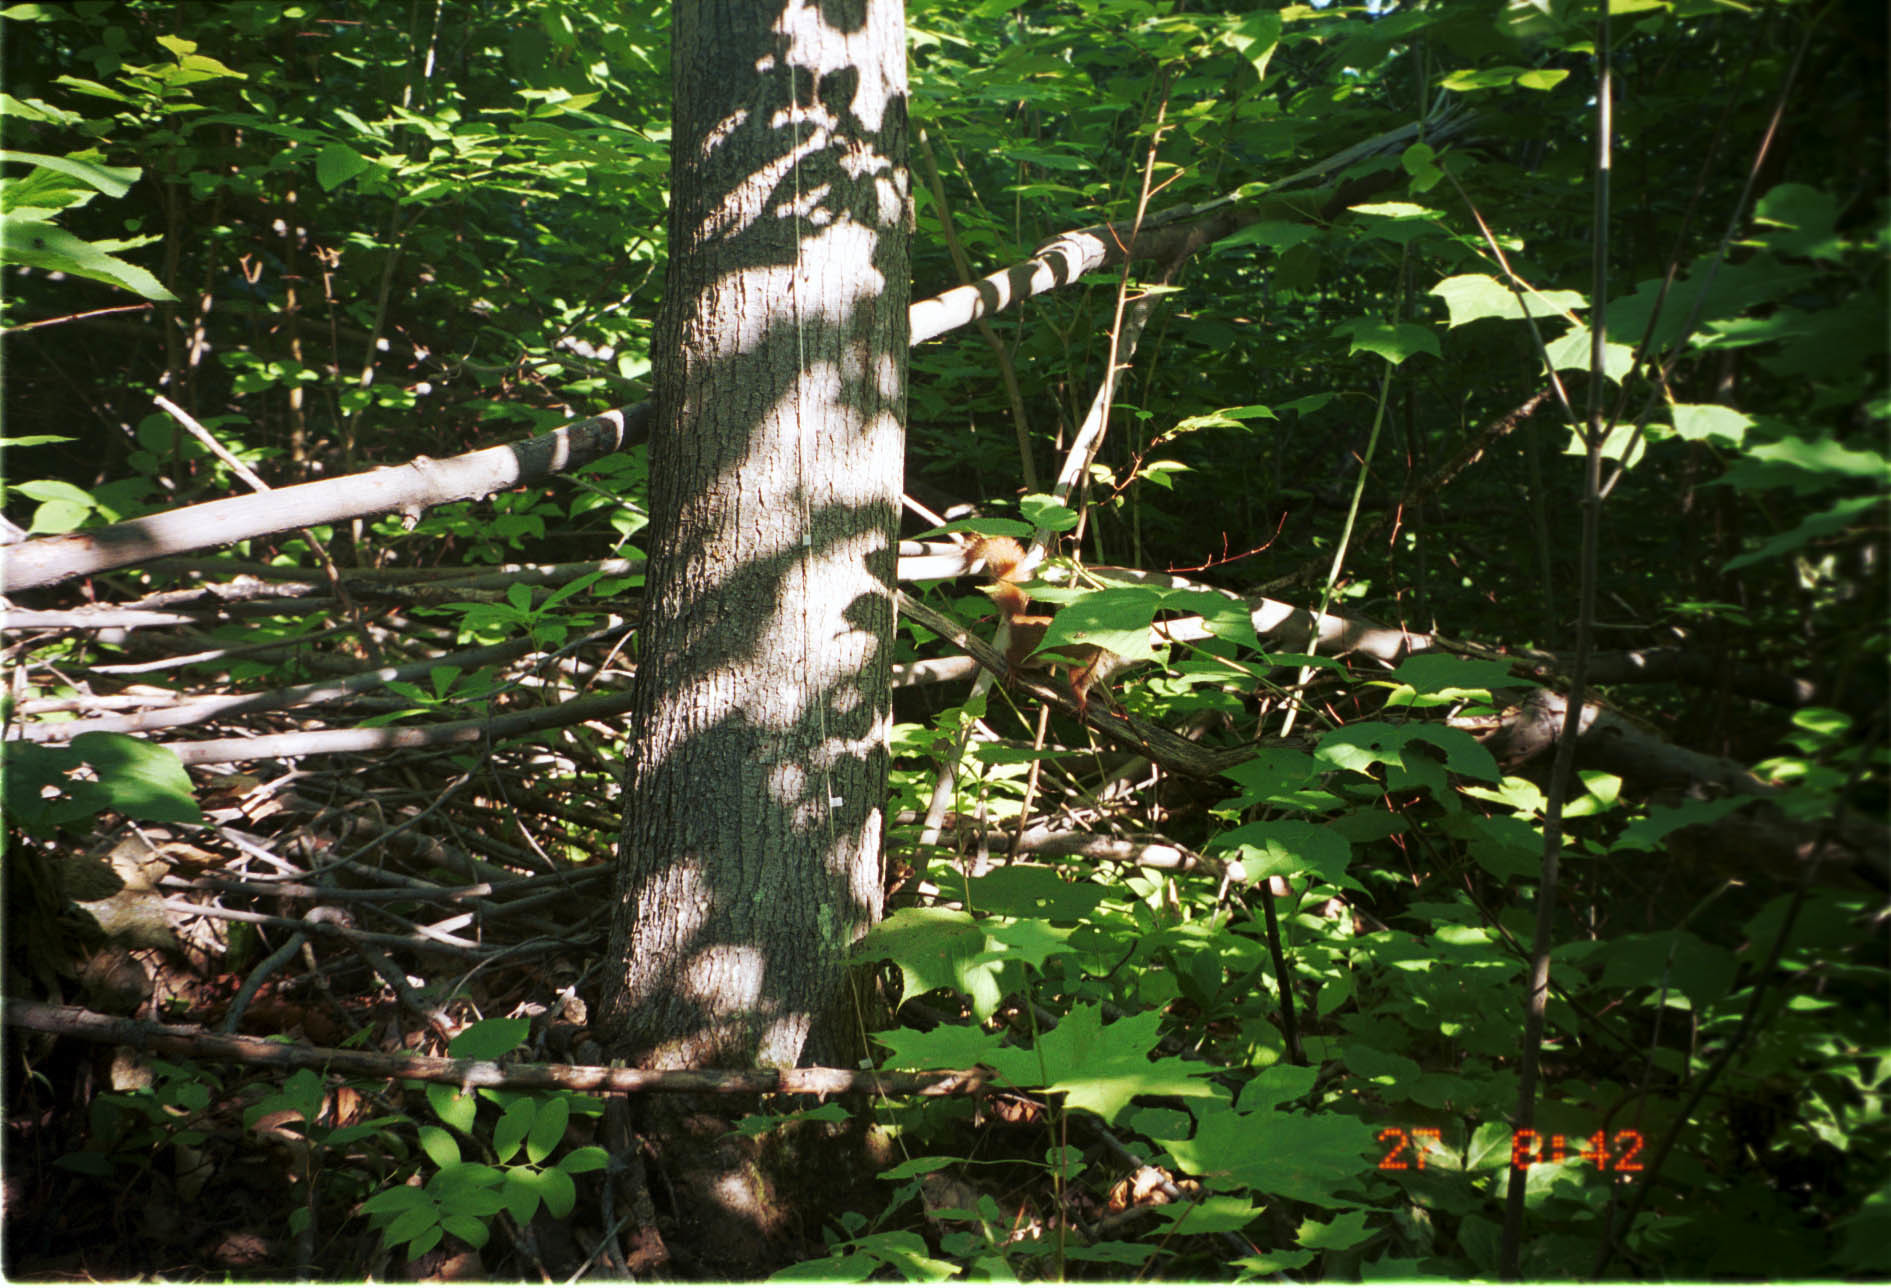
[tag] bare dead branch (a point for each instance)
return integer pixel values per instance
(191, 1041)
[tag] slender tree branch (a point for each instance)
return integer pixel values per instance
(196, 1043)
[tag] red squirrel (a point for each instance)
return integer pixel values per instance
(1002, 561)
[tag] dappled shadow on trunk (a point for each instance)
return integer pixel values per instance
(751, 853)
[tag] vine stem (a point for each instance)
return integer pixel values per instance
(1295, 700)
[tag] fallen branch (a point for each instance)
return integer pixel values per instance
(226, 706)
(409, 489)
(418, 485)
(312, 742)
(193, 1042)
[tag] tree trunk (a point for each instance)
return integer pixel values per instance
(751, 852)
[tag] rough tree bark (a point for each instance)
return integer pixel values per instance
(751, 852)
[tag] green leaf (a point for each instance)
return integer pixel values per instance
(1222, 418)
(938, 948)
(985, 528)
(524, 1189)
(61, 515)
(55, 490)
(1647, 834)
(570, 588)
(1279, 776)
(1489, 1148)
(1463, 753)
(1275, 1085)
(35, 109)
(439, 1145)
(1814, 527)
(86, 1163)
(1507, 848)
(1472, 296)
(1308, 1157)
(1254, 36)
(1361, 745)
(1307, 405)
(1435, 679)
(1033, 890)
(413, 1222)
(466, 1227)
(112, 180)
(336, 164)
(1481, 1238)
(1835, 462)
(558, 1191)
(548, 1129)
(1806, 219)
(1623, 444)
(455, 1109)
(1116, 618)
(1395, 210)
(1101, 1067)
(1542, 78)
(489, 1039)
(1029, 942)
(1110, 1252)
(922, 1166)
(1347, 1230)
(38, 244)
(1274, 1265)
(1697, 421)
(1395, 342)
(509, 1134)
(1864, 1250)
(1419, 161)
(1385, 1068)
(1288, 847)
(1215, 1214)
(1050, 160)
(755, 1125)
(91, 87)
(466, 1186)
(1570, 352)
(140, 779)
(33, 769)
(1224, 616)
(1470, 80)
(852, 1268)
(950, 1046)
(302, 1092)
(1278, 235)
(1702, 971)
(1047, 512)
(398, 1199)
(585, 1158)
(904, 1252)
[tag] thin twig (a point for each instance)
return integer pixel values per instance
(1563, 771)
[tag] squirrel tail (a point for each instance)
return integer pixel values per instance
(1001, 559)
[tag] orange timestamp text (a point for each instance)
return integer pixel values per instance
(1617, 1151)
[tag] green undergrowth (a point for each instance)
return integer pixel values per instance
(1133, 1018)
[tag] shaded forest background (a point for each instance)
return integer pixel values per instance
(1266, 1017)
